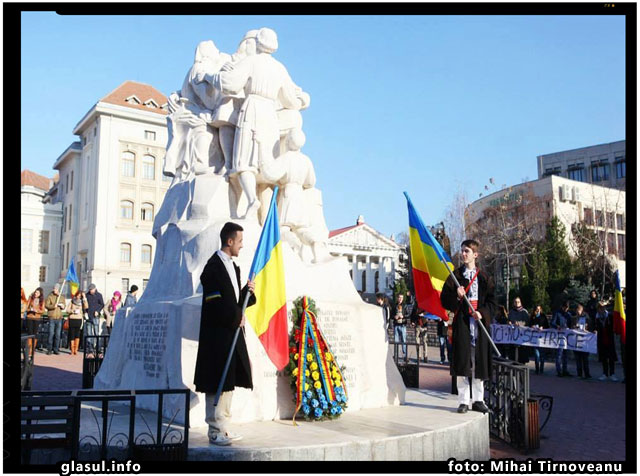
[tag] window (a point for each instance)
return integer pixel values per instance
(149, 167)
(26, 240)
(84, 141)
(125, 253)
(622, 241)
(66, 188)
(86, 210)
(71, 187)
(70, 215)
(128, 164)
(552, 171)
(611, 222)
(43, 244)
(599, 171)
(146, 212)
(26, 273)
(620, 221)
(126, 210)
(67, 260)
(611, 243)
(64, 219)
(145, 254)
(588, 216)
(149, 135)
(576, 174)
(599, 218)
(125, 285)
(95, 131)
(621, 169)
(144, 284)
(43, 274)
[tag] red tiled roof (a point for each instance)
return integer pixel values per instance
(142, 91)
(27, 177)
(343, 230)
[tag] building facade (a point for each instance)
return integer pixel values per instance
(373, 259)
(602, 209)
(41, 224)
(111, 186)
(603, 164)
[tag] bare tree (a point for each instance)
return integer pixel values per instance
(454, 217)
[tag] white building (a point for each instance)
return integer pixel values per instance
(601, 208)
(40, 234)
(111, 185)
(602, 164)
(373, 258)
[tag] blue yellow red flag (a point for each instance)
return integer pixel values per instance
(428, 266)
(268, 317)
(619, 317)
(72, 278)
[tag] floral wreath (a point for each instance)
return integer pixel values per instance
(316, 377)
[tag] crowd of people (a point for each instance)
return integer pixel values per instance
(402, 312)
(84, 313)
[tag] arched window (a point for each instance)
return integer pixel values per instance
(146, 212)
(128, 164)
(125, 253)
(145, 255)
(149, 167)
(126, 209)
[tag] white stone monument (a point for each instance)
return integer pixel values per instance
(154, 344)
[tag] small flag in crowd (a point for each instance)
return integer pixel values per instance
(268, 317)
(427, 262)
(619, 318)
(72, 278)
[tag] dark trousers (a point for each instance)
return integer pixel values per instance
(608, 366)
(582, 363)
(55, 328)
(538, 354)
(444, 344)
(561, 359)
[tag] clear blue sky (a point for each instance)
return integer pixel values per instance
(418, 103)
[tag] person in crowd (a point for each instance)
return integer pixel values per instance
(54, 304)
(606, 347)
(95, 305)
(443, 340)
(471, 357)
(222, 301)
(35, 309)
(23, 309)
(419, 321)
(131, 299)
(582, 322)
(519, 316)
(592, 304)
(539, 320)
(400, 325)
(502, 317)
(383, 302)
(78, 305)
(111, 309)
(561, 320)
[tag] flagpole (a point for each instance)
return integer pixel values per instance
(61, 290)
(455, 280)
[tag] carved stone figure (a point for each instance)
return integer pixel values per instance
(301, 217)
(193, 144)
(264, 81)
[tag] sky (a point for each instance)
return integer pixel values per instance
(430, 105)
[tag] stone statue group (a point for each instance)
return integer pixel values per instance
(238, 116)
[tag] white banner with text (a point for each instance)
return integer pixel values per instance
(570, 339)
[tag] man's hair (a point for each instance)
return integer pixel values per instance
(565, 304)
(579, 306)
(134, 288)
(473, 244)
(228, 232)
(379, 296)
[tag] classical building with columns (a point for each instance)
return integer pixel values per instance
(373, 259)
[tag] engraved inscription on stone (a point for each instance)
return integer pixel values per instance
(148, 342)
(337, 329)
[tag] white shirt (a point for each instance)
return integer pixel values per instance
(228, 264)
(472, 294)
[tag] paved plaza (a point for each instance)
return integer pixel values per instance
(587, 423)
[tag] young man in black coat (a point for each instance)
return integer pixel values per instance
(472, 353)
(222, 300)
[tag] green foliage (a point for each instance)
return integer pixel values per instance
(559, 264)
(400, 286)
(577, 292)
(539, 277)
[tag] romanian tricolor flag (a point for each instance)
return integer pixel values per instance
(427, 261)
(619, 318)
(72, 278)
(268, 316)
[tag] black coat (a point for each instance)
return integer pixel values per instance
(95, 303)
(220, 317)
(606, 343)
(461, 362)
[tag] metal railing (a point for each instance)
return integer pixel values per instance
(95, 347)
(26, 361)
(100, 438)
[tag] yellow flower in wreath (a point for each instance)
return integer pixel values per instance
(317, 385)
(306, 373)
(306, 386)
(315, 375)
(310, 357)
(337, 377)
(295, 357)
(313, 366)
(337, 383)
(328, 356)
(295, 372)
